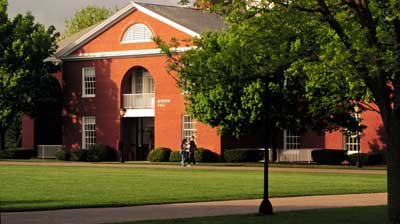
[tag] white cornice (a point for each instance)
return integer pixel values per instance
(95, 31)
(64, 53)
(119, 54)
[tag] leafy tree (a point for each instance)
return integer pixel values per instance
(359, 47)
(85, 18)
(24, 74)
(218, 6)
(334, 54)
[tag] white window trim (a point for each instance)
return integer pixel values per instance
(354, 136)
(136, 41)
(286, 135)
(84, 95)
(192, 130)
(84, 130)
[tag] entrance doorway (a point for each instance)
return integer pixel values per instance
(137, 137)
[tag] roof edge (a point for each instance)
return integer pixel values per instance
(113, 20)
(165, 20)
(98, 29)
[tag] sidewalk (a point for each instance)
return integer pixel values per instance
(187, 210)
(278, 169)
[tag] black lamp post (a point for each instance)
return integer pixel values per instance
(266, 206)
(357, 111)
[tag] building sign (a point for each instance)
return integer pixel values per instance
(163, 102)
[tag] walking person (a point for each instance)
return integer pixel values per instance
(192, 150)
(184, 152)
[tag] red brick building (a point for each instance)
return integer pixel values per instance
(116, 88)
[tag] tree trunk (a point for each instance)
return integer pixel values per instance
(393, 168)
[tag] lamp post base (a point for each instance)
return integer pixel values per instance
(266, 207)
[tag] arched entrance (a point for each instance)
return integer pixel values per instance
(137, 119)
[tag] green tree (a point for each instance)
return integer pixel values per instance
(24, 73)
(359, 47)
(85, 18)
(218, 6)
(335, 55)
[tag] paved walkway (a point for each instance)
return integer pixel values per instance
(282, 169)
(186, 210)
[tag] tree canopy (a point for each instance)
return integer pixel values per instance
(328, 55)
(25, 78)
(85, 18)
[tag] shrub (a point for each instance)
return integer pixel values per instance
(62, 154)
(206, 155)
(22, 153)
(243, 155)
(160, 154)
(5, 155)
(100, 152)
(175, 156)
(78, 155)
(328, 156)
(366, 159)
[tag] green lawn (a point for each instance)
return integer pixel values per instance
(54, 187)
(359, 215)
(219, 164)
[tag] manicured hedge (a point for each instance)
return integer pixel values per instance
(366, 159)
(243, 155)
(72, 155)
(206, 155)
(328, 156)
(100, 152)
(62, 155)
(175, 156)
(160, 154)
(19, 153)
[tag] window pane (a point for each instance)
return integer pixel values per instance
(88, 132)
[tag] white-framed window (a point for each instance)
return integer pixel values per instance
(189, 127)
(88, 82)
(291, 139)
(88, 131)
(137, 33)
(351, 139)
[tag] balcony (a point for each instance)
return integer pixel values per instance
(138, 101)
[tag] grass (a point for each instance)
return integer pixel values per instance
(254, 164)
(282, 165)
(357, 215)
(56, 187)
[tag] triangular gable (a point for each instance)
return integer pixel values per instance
(103, 26)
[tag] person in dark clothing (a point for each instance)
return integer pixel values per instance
(192, 150)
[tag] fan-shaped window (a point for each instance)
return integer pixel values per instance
(137, 33)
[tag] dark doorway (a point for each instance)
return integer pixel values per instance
(48, 123)
(137, 137)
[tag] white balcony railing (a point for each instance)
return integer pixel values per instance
(48, 151)
(138, 101)
(294, 155)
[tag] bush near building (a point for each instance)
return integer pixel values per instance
(96, 153)
(100, 152)
(366, 159)
(243, 155)
(175, 156)
(328, 156)
(206, 155)
(18, 153)
(160, 154)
